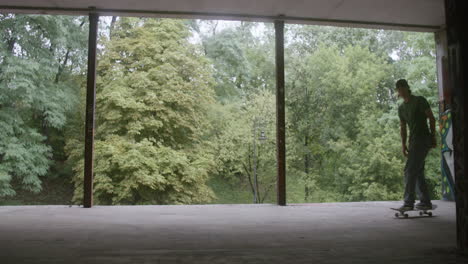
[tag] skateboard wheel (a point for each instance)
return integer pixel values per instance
(406, 215)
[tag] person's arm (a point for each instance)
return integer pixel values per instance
(403, 135)
(431, 118)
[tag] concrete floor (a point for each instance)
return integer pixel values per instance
(365, 232)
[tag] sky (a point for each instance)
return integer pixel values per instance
(207, 25)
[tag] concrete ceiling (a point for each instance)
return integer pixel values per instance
(419, 15)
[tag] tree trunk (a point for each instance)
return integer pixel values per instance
(11, 45)
(112, 25)
(306, 168)
(247, 171)
(62, 66)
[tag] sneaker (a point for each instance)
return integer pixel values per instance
(424, 206)
(406, 207)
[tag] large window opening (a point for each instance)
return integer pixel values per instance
(343, 141)
(185, 111)
(42, 61)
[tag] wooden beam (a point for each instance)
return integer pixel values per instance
(90, 109)
(280, 114)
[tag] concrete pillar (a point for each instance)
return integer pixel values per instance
(456, 19)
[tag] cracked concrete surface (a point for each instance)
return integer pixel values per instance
(362, 232)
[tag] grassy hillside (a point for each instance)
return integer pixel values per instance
(55, 191)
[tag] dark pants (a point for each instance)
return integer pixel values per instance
(414, 171)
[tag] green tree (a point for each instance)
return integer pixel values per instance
(153, 94)
(244, 144)
(243, 63)
(40, 59)
(344, 143)
(370, 167)
(328, 91)
(243, 68)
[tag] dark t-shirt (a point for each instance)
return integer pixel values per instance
(413, 113)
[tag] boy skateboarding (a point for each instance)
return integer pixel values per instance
(413, 113)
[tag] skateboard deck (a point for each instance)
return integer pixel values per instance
(421, 211)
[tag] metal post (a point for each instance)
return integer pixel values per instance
(90, 108)
(255, 184)
(280, 114)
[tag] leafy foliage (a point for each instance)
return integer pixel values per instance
(244, 144)
(242, 63)
(153, 93)
(343, 121)
(38, 54)
(178, 118)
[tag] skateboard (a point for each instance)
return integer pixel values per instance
(421, 211)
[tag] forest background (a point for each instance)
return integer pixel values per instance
(185, 111)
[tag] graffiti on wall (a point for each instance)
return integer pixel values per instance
(447, 161)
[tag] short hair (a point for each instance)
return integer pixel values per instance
(402, 83)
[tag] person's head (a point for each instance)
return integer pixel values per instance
(403, 88)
